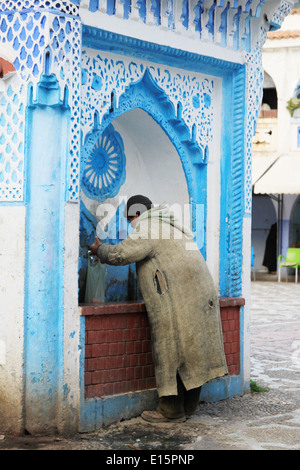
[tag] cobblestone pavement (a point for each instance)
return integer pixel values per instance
(261, 421)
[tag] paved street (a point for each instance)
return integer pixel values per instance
(263, 421)
(275, 335)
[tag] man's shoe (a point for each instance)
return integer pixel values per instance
(156, 417)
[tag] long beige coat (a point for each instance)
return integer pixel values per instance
(180, 298)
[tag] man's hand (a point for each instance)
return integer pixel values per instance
(95, 246)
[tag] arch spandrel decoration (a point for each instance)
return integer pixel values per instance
(181, 103)
(191, 95)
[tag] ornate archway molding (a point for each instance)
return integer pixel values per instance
(145, 94)
(124, 76)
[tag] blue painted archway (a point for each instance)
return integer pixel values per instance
(146, 95)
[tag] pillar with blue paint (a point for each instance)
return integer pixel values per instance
(47, 135)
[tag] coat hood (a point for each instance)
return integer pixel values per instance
(163, 213)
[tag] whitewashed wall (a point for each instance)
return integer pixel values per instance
(12, 263)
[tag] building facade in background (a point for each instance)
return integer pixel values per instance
(276, 145)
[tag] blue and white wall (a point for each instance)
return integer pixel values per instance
(39, 182)
(76, 61)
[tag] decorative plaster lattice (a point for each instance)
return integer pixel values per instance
(12, 115)
(65, 44)
(254, 85)
(255, 77)
(29, 35)
(104, 76)
(283, 10)
(69, 7)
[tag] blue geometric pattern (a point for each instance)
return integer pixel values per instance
(103, 77)
(104, 171)
(28, 33)
(12, 109)
(69, 7)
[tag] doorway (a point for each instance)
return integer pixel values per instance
(263, 218)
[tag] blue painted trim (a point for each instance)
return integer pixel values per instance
(156, 9)
(222, 389)
(274, 26)
(225, 170)
(242, 342)
(116, 43)
(93, 5)
(12, 203)
(237, 202)
(87, 410)
(110, 9)
(228, 387)
(232, 183)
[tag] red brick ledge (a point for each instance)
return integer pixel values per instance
(226, 302)
(106, 308)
